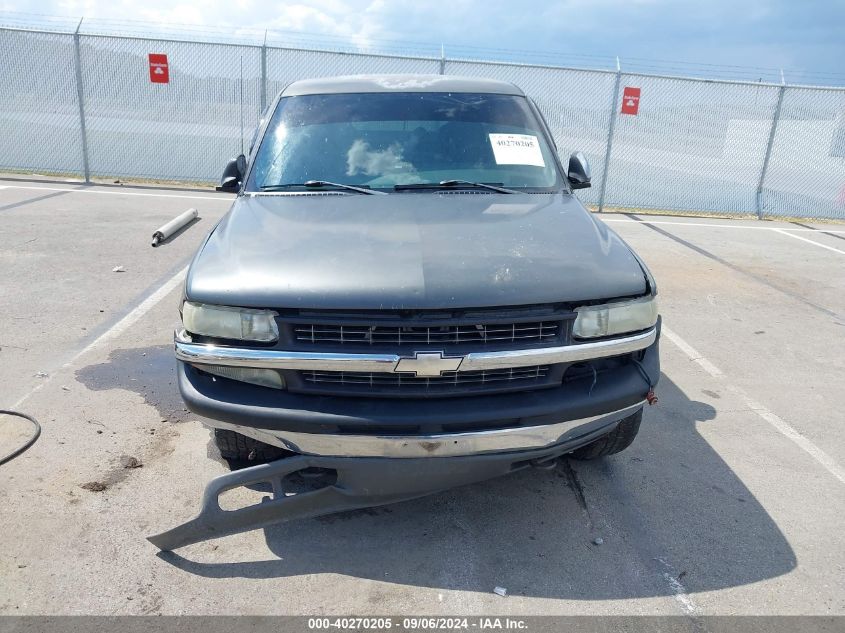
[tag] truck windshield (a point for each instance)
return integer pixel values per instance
(381, 140)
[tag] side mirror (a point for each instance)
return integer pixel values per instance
(233, 175)
(579, 171)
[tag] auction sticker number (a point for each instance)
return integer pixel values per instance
(517, 149)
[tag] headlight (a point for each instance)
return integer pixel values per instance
(615, 318)
(236, 323)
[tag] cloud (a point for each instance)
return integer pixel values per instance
(179, 14)
(335, 19)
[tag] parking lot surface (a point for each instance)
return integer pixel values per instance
(729, 502)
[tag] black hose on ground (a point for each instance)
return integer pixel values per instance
(29, 442)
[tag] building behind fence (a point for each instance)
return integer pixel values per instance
(83, 104)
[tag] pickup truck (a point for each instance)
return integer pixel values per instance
(407, 296)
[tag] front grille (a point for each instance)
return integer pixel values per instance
(449, 382)
(480, 334)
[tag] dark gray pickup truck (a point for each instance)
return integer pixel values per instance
(407, 296)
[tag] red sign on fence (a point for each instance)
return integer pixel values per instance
(158, 69)
(630, 101)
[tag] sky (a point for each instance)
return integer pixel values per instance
(732, 39)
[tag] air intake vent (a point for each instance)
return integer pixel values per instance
(480, 334)
(458, 383)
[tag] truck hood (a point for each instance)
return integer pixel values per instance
(411, 251)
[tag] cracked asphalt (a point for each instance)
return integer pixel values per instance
(729, 502)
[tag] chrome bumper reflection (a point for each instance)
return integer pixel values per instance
(440, 445)
(197, 353)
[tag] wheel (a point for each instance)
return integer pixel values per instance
(617, 440)
(236, 447)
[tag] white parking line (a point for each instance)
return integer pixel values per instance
(719, 226)
(692, 353)
(118, 193)
(778, 423)
(804, 239)
(137, 312)
(118, 328)
(678, 589)
(680, 593)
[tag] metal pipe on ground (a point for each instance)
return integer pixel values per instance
(174, 226)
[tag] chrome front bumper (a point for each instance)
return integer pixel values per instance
(440, 445)
(205, 354)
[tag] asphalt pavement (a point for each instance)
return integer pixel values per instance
(729, 502)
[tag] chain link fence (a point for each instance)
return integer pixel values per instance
(84, 104)
(39, 105)
(692, 145)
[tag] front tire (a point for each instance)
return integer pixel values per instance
(616, 441)
(240, 448)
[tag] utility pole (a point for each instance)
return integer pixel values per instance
(613, 106)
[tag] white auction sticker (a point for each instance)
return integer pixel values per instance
(516, 149)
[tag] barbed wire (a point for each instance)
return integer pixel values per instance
(327, 42)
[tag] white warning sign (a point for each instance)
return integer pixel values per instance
(516, 149)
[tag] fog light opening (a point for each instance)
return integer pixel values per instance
(261, 377)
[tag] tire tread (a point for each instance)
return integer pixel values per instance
(616, 441)
(236, 447)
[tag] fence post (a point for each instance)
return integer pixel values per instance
(772, 131)
(612, 125)
(442, 60)
(77, 63)
(264, 73)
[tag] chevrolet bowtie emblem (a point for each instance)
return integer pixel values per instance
(428, 365)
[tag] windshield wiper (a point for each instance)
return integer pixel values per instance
(316, 184)
(446, 184)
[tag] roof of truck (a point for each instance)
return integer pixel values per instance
(399, 83)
